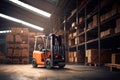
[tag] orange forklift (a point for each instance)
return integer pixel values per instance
(48, 51)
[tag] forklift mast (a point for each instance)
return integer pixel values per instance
(56, 46)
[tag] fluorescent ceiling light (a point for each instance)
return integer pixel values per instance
(21, 22)
(31, 8)
(5, 31)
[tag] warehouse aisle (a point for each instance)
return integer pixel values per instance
(70, 72)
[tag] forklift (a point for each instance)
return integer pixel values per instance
(48, 51)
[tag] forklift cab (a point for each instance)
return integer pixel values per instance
(48, 51)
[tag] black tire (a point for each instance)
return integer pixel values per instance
(34, 64)
(62, 66)
(48, 64)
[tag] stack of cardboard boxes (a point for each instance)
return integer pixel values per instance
(17, 45)
(115, 58)
(76, 57)
(107, 32)
(92, 56)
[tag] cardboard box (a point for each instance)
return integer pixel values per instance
(92, 56)
(72, 59)
(107, 32)
(117, 30)
(74, 54)
(18, 38)
(71, 54)
(81, 40)
(17, 53)
(74, 34)
(10, 45)
(21, 46)
(25, 61)
(95, 21)
(17, 45)
(25, 46)
(31, 40)
(115, 58)
(102, 34)
(10, 52)
(40, 33)
(90, 25)
(71, 42)
(79, 30)
(16, 30)
(32, 34)
(81, 20)
(10, 38)
(24, 39)
(76, 40)
(25, 31)
(25, 53)
(70, 36)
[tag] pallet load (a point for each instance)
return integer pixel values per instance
(107, 32)
(76, 57)
(17, 40)
(79, 57)
(115, 58)
(92, 57)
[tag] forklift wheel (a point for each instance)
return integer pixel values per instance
(34, 63)
(48, 64)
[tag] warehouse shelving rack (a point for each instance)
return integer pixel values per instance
(87, 9)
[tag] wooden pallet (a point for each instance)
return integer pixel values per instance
(111, 66)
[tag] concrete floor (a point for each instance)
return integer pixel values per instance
(70, 72)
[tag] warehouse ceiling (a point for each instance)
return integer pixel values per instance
(55, 7)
